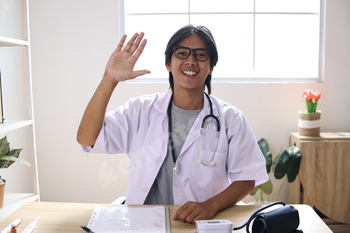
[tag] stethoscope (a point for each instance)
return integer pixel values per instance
(210, 163)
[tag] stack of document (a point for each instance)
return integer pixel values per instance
(130, 219)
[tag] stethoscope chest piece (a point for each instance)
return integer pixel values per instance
(176, 168)
(207, 165)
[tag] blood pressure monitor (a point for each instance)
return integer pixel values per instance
(214, 226)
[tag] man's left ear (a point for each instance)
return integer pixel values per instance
(211, 70)
(168, 67)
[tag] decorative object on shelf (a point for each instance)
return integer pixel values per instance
(7, 158)
(310, 120)
(286, 164)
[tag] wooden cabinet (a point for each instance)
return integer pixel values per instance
(324, 177)
(21, 182)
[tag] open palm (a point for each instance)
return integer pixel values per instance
(121, 64)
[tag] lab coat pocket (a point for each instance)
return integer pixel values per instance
(214, 174)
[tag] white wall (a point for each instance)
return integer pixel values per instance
(71, 43)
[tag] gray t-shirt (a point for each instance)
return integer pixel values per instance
(161, 192)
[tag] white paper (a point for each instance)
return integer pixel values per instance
(129, 219)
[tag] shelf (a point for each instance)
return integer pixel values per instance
(323, 136)
(6, 41)
(16, 60)
(12, 125)
(13, 201)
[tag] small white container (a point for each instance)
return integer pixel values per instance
(214, 226)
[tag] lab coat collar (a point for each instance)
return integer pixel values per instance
(163, 102)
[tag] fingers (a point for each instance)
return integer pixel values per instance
(137, 43)
(192, 211)
(139, 73)
(192, 216)
(186, 213)
(130, 42)
(123, 60)
(140, 49)
(133, 43)
(121, 43)
(187, 216)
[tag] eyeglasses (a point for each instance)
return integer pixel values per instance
(184, 52)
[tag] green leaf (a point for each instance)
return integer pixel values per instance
(281, 163)
(14, 153)
(267, 187)
(287, 162)
(264, 147)
(12, 156)
(4, 146)
(24, 162)
(4, 163)
(11, 159)
(256, 188)
(294, 165)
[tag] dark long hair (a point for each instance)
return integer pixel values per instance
(181, 34)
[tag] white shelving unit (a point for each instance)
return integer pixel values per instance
(5, 41)
(17, 98)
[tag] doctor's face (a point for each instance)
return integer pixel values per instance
(190, 73)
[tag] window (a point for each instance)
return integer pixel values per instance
(257, 40)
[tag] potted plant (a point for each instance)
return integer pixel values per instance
(310, 120)
(7, 158)
(286, 164)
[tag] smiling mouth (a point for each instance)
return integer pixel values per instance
(189, 73)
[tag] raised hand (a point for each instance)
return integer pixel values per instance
(120, 67)
(121, 64)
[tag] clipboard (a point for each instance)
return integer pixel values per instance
(130, 219)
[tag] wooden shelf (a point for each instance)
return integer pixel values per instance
(12, 125)
(6, 41)
(323, 136)
(12, 201)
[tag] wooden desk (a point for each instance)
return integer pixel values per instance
(66, 217)
(324, 175)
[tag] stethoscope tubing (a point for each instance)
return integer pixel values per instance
(210, 163)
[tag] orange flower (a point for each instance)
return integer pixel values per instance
(307, 95)
(317, 94)
(311, 98)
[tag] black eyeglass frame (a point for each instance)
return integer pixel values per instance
(191, 50)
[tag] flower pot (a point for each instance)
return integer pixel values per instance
(2, 191)
(309, 123)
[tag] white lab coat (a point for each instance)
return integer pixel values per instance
(139, 129)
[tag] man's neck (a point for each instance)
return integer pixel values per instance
(189, 101)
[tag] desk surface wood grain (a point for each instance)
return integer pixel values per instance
(57, 217)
